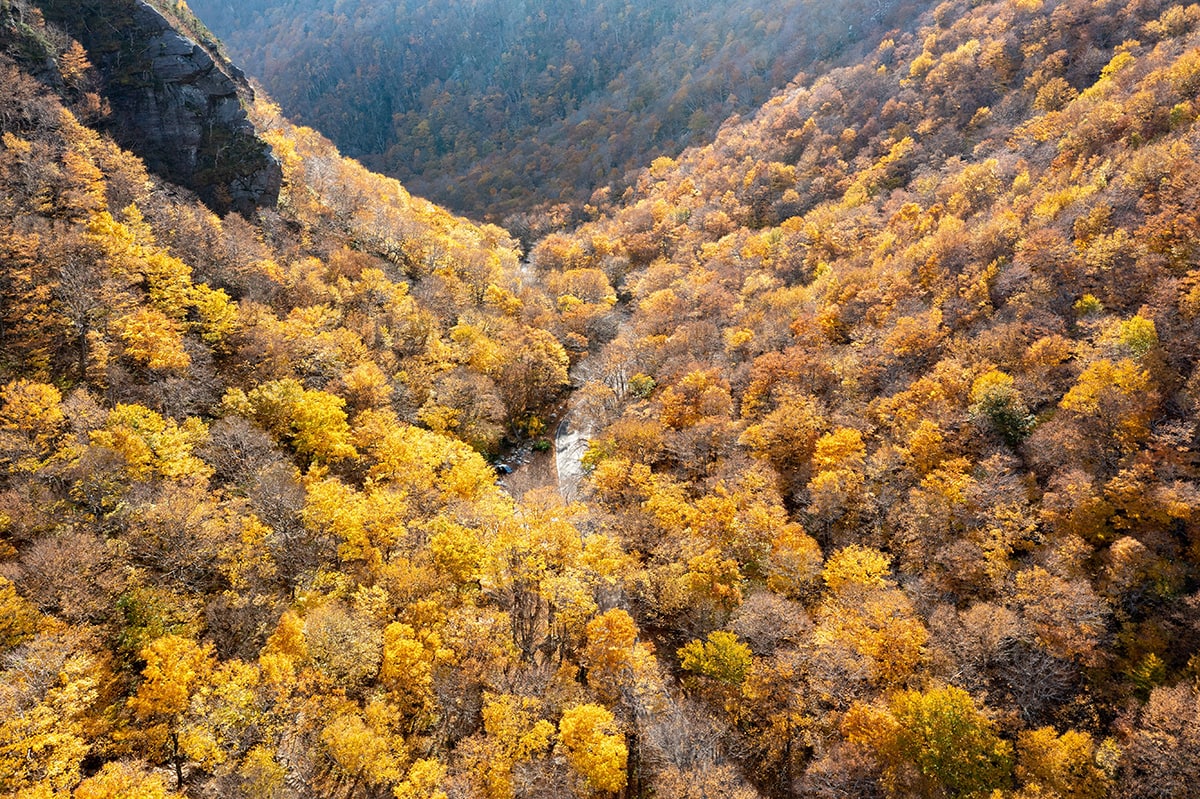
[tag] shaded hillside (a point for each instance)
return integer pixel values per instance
(181, 392)
(496, 108)
(180, 107)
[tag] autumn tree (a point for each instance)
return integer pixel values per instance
(31, 317)
(615, 658)
(47, 692)
(593, 747)
(1162, 756)
(364, 746)
(1067, 616)
(866, 617)
(787, 438)
(1068, 765)
(1114, 402)
(837, 488)
(175, 670)
(31, 421)
(514, 734)
(312, 422)
(933, 743)
(120, 779)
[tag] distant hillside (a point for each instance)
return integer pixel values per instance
(495, 107)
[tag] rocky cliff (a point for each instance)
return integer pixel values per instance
(173, 103)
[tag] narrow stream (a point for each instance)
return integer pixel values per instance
(570, 443)
(562, 464)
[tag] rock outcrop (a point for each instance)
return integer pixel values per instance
(173, 103)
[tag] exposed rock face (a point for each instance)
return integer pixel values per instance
(173, 104)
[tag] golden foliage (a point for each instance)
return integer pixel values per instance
(593, 747)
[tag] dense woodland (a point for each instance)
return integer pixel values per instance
(529, 111)
(892, 493)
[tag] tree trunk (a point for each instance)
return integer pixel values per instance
(177, 761)
(633, 765)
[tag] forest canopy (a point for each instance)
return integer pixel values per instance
(891, 486)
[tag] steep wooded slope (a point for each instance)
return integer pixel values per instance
(895, 496)
(187, 409)
(943, 305)
(496, 108)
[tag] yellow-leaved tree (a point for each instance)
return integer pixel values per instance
(31, 421)
(514, 734)
(409, 657)
(615, 659)
(594, 748)
(122, 780)
(313, 422)
(46, 696)
(176, 668)
(837, 487)
(152, 340)
(1061, 765)
(866, 625)
(365, 746)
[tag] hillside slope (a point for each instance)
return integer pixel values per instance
(497, 108)
(941, 305)
(190, 407)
